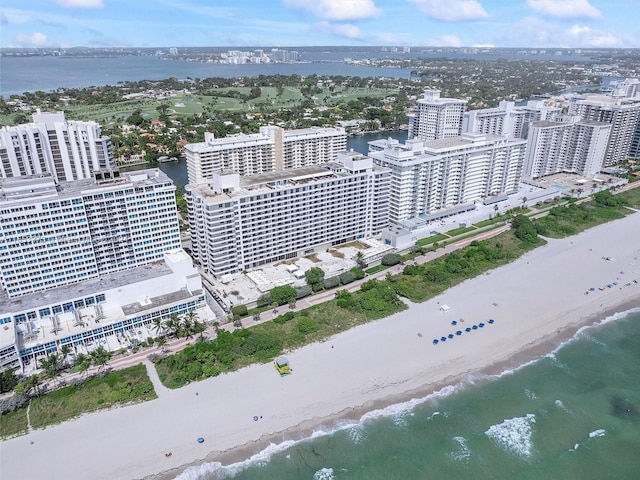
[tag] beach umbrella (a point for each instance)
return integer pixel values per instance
(468, 329)
(443, 339)
(451, 335)
(459, 332)
(200, 440)
(435, 341)
(491, 320)
(453, 322)
(481, 324)
(475, 327)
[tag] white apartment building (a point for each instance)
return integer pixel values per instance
(441, 174)
(55, 234)
(622, 113)
(113, 311)
(238, 223)
(272, 149)
(67, 149)
(508, 119)
(436, 117)
(629, 88)
(576, 146)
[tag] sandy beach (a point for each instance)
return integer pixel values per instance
(536, 301)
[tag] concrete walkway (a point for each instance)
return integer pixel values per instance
(160, 389)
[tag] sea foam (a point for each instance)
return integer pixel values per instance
(514, 434)
(324, 474)
(598, 433)
(462, 453)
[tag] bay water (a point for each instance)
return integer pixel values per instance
(572, 414)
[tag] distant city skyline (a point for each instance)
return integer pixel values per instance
(291, 23)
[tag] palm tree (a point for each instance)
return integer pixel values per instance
(157, 325)
(161, 341)
(173, 324)
(216, 326)
(51, 366)
(360, 260)
(189, 322)
(100, 357)
(65, 350)
(199, 327)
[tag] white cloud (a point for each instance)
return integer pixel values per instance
(565, 8)
(80, 3)
(337, 9)
(585, 36)
(347, 30)
(35, 39)
(451, 10)
(534, 32)
(483, 45)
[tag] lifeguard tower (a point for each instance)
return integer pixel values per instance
(282, 365)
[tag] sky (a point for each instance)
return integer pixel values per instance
(289, 23)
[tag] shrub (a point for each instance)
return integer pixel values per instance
(331, 282)
(239, 310)
(314, 275)
(347, 277)
(358, 273)
(304, 291)
(316, 287)
(344, 299)
(264, 300)
(12, 403)
(307, 325)
(391, 259)
(284, 318)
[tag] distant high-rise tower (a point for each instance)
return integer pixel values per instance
(436, 117)
(508, 119)
(173, 51)
(272, 149)
(69, 150)
(622, 113)
(573, 145)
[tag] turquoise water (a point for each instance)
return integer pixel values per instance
(572, 414)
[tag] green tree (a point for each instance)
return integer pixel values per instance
(360, 260)
(283, 294)
(314, 275)
(161, 342)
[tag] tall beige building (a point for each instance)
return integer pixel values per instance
(436, 117)
(272, 149)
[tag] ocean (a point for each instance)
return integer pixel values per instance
(572, 414)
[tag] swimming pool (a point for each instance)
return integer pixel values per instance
(561, 187)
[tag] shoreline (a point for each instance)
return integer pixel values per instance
(538, 302)
(303, 431)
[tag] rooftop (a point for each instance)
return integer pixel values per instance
(90, 286)
(33, 188)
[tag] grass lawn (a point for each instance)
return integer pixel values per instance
(459, 231)
(433, 239)
(630, 198)
(13, 423)
(376, 269)
(120, 387)
(572, 219)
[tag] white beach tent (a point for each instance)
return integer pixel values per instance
(444, 308)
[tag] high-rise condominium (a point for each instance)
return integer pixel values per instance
(436, 117)
(59, 233)
(238, 223)
(272, 149)
(67, 149)
(622, 113)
